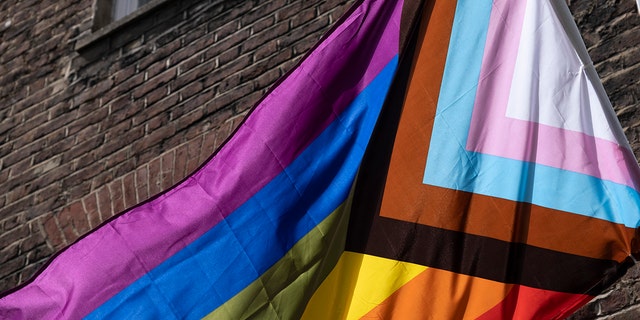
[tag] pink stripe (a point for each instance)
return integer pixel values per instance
(530, 141)
(106, 261)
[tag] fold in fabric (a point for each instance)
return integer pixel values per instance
(427, 159)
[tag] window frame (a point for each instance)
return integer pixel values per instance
(104, 11)
(103, 28)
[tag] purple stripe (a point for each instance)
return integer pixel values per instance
(110, 258)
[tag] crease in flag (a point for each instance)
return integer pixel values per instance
(282, 179)
(440, 158)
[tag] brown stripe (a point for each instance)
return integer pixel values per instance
(406, 198)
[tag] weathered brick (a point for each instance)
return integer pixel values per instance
(12, 222)
(104, 202)
(13, 265)
(261, 36)
(33, 240)
(54, 235)
(84, 149)
(193, 34)
(125, 167)
(180, 167)
(129, 190)
(155, 82)
(201, 70)
(190, 90)
(35, 259)
(8, 252)
(117, 198)
(142, 183)
(229, 42)
(232, 13)
(267, 79)
(226, 30)
(14, 235)
(155, 183)
(167, 164)
(193, 152)
(90, 204)
(302, 17)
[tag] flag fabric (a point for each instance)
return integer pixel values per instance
(256, 228)
(509, 190)
(439, 159)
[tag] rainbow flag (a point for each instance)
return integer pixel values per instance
(427, 159)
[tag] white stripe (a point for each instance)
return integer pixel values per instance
(551, 80)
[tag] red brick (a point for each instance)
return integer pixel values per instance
(193, 152)
(191, 90)
(142, 183)
(35, 238)
(180, 167)
(262, 36)
(35, 257)
(155, 183)
(14, 235)
(8, 252)
(225, 44)
(69, 233)
(79, 218)
(155, 137)
(202, 69)
(90, 203)
(129, 185)
(265, 50)
(167, 163)
(104, 203)
(194, 34)
(12, 222)
(209, 144)
(13, 265)
(117, 198)
(54, 235)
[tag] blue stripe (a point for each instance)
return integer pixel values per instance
(239, 249)
(450, 165)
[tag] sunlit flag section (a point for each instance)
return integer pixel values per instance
(427, 159)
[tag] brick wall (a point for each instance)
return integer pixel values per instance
(87, 130)
(611, 31)
(87, 133)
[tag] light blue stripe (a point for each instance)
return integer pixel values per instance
(542, 185)
(457, 94)
(450, 165)
(233, 254)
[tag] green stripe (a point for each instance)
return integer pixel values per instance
(283, 291)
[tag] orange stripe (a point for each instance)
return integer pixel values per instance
(406, 198)
(441, 295)
(456, 296)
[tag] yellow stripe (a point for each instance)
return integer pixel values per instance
(358, 284)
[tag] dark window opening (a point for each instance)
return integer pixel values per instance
(108, 11)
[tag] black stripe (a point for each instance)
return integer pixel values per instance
(488, 258)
